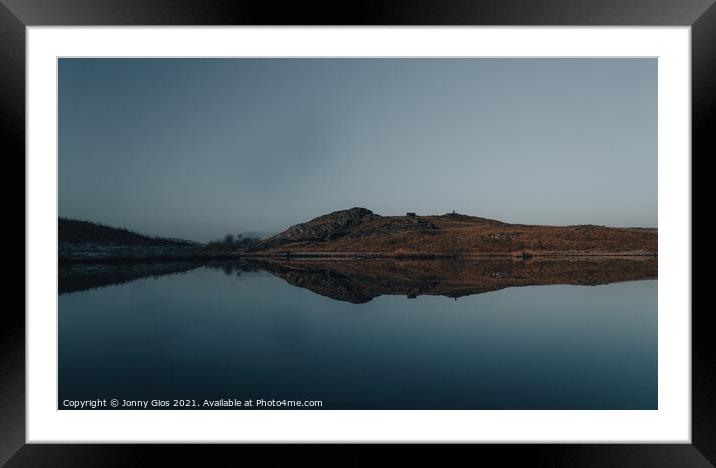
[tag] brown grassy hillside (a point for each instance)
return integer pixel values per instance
(359, 231)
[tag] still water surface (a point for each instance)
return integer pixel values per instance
(208, 334)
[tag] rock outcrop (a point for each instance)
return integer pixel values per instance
(324, 228)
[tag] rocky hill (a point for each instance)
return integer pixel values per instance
(360, 232)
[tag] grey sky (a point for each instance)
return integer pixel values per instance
(196, 148)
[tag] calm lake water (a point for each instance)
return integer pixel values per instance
(209, 334)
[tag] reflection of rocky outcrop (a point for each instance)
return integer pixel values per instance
(362, 280)
(359, 281)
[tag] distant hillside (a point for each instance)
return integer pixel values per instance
(84, 241)
(76, 231)
(359, 231)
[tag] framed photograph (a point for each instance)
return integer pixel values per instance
(418, 223)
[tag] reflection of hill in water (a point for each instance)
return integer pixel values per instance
(75, 277)
(359, 281)
(82, 276)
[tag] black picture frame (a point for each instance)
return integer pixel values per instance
(16, 15)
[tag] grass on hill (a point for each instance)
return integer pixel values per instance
(76, 231)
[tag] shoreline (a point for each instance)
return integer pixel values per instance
(350, 256)
(388, 255)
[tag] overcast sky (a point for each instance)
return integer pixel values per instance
(197, 148)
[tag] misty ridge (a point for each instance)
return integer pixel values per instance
(81, 240)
